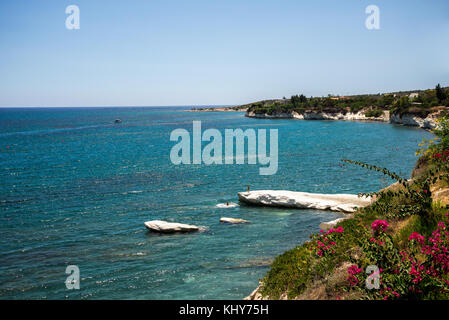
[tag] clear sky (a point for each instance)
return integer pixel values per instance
(202, 52)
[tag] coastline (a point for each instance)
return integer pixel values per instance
(439, 194)
(256, 293)
(429, 123)
(186, 196)
(406, 119)
(221, 109)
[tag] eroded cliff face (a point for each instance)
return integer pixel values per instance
(406, 119)
(411, 120)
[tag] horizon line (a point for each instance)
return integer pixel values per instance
(218, 105)
(117, 106)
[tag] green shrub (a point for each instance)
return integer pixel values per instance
(374, 113)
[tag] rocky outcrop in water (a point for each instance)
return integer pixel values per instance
(233, 220)
(170, 227)
(346, 203)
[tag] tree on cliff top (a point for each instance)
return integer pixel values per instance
(441, 95)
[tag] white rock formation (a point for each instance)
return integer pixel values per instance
(412, 120)
(350, 116)
(332, 224)
(292, 115)
(169, 227)
(346, 203)
(255, 295)
(407, 119)
(233, 220)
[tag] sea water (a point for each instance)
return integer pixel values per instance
(76, 189)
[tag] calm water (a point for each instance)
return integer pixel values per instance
(76, 189)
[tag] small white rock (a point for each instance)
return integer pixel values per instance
(233, 220)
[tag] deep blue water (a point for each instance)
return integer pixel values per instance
(76, 189)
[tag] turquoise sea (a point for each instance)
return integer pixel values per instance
(76, 189)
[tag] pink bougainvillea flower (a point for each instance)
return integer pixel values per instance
(417, 237)
(379, 225)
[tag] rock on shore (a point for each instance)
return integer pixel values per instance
(332, 224)
(346, 203)
(170, 227)
(255, 295)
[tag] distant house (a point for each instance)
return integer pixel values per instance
(413, 95)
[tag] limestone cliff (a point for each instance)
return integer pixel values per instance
(407, 119)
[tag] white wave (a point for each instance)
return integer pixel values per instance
(227, 205)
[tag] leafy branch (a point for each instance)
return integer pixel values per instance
(417, 194)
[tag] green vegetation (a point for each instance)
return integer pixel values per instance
(421, 102)
(374, 113)
(405, 233)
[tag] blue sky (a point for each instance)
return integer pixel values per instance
(158, 53)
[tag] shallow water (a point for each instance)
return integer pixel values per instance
(76, 189)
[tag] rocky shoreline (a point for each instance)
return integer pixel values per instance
(346, 204)
(407, 119)
(439, 194)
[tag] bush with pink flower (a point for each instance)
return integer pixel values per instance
(379, 225)
(396, 238)
(323, 244)
(354, 272)
(420, 271)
